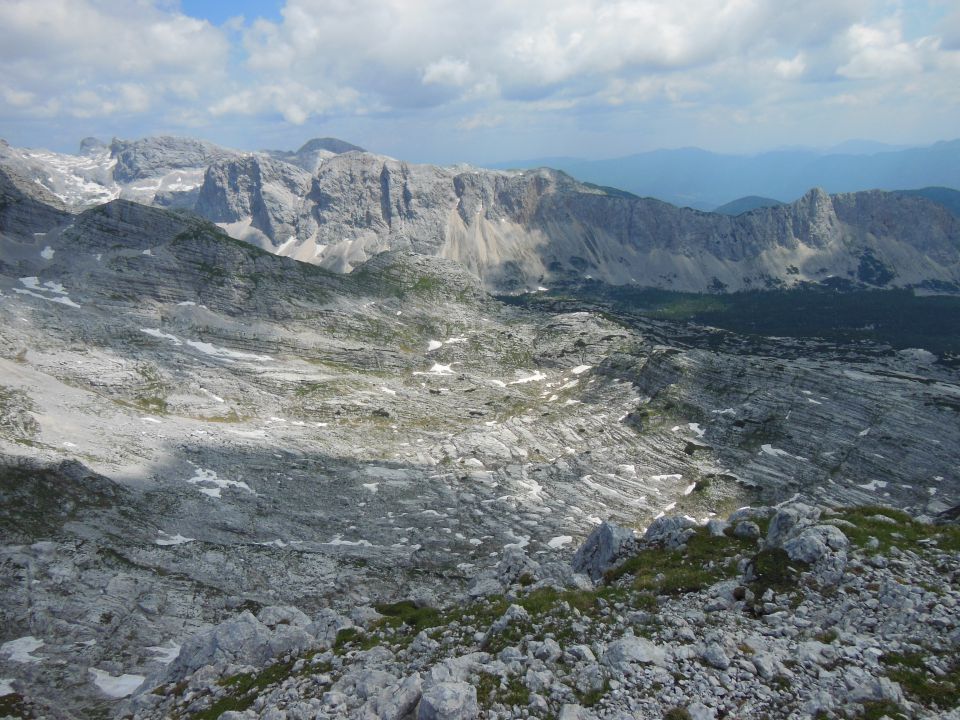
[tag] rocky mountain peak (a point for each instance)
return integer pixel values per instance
(330, 145)
(91, 145)
(156, 156)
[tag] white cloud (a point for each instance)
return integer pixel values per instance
(480, 120)
(447, 71)
(421, 53)
(542, 67)
(879, 51)
(99, 57)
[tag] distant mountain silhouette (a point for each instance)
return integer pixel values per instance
(746, 204)
(948, 197)
(705, 180)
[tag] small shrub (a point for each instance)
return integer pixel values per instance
(774, 569)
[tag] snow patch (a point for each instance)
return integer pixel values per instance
(209, 484)
(6, 687)
(537, 376)
(434, 345)
(161, 335)
(689, 488)
(19, 650)
(47, 253)
(167, 539)
(212, 396)
(768, 449)
(438, 369)
(338, 540)
(166, 654)
(116, 687)
(580, 369)
(225, 354)
(695, 427)
(35, 289)
(874, 485)
(372, 487)
(559, 542)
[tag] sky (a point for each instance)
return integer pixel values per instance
(482, 81)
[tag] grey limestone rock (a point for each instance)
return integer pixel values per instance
(275, 615)
(571, 711)
(629, 649)
(325, 626)
(393, 702)
(449, 701)
(715, 656)
(788, 521)
(602, 549)
(154, 156)
(747, 530)
(813, 543)
(669, 531)
(242, 640)
(699, 711)
(364, 683)
(513, 615)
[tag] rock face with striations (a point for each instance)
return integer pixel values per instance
(334, 205)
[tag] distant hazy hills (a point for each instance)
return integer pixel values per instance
(705, 180)
(947, 197)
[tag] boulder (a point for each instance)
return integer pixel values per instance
(630, 649)
(813, 543)
(325, 626)
(515, 614)
(449, 701)
(788, 521)
(670, 532)
(604, 547)
(394, 702)
(242, 640)
(283, 615)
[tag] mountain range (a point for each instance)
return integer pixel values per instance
(334, 205)
(706, 180)
(237, 485)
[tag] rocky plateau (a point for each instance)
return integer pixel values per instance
(235, 482)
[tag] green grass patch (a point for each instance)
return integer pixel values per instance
(905, 532)
(13, 706)
(409, 614)
(876, 709)
(592, 697)
(775, 570)
(244, 689)
(920, 683)
(491, 691)
(705, 561)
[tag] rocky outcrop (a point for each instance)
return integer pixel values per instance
(157, 156)
(724, 642)
(604, 547)
(258, 200)
(520, 229)
(333, 205)
(263, 435)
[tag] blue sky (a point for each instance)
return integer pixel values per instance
(219, 11)
(482, 81)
